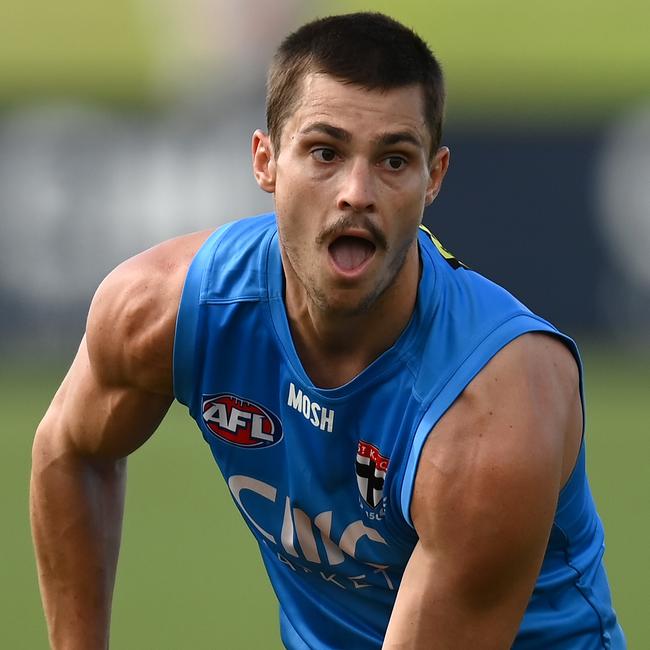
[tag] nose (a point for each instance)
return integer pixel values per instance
(357, 192)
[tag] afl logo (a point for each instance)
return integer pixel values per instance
(241, 422)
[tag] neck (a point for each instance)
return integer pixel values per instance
(335, 347)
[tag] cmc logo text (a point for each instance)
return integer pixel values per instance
(240, 421)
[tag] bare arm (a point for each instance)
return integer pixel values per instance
(484, 500)
(114, 396)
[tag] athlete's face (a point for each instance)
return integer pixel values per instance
(351, 180)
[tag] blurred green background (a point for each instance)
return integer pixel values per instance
(555, 60)
(189, 573)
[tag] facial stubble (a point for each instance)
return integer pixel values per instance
(319, 297)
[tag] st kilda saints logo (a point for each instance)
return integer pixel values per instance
(371, 469)
(241, 422)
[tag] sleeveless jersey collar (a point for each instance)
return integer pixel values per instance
(404, 350)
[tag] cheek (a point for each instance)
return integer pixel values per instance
(301, 203)
(293, 227)
(407, 194)
(290, 198)
(405, 221)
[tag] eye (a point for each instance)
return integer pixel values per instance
(324, 154)
(394, 163)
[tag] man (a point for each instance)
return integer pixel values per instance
(403, 438)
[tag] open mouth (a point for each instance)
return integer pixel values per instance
(350, 254)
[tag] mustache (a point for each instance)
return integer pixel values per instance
(353, 221)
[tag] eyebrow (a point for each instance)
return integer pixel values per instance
(384, 140)
(389, 139)
(333, 131)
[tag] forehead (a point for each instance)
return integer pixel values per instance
(323, 98)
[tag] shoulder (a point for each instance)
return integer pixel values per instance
(233, 263)
(510, 438)
(469, 304)
(130, 327)
(537, 366)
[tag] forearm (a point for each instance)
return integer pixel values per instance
(454, 626)
(76, 512)
(439, 608)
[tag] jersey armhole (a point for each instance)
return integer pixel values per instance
(187, 319)
(471, 366)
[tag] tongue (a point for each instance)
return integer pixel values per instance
(349, 253)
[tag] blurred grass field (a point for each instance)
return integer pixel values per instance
(189, 574)
(505, 60)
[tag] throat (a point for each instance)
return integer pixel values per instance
(334, 350)
(329, 368)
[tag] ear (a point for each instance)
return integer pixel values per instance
(437, 172)
(263, 161)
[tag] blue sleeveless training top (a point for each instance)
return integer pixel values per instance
(324, 477)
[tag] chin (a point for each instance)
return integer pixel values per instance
(348, 303)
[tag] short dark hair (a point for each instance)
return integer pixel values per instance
(367, 49)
